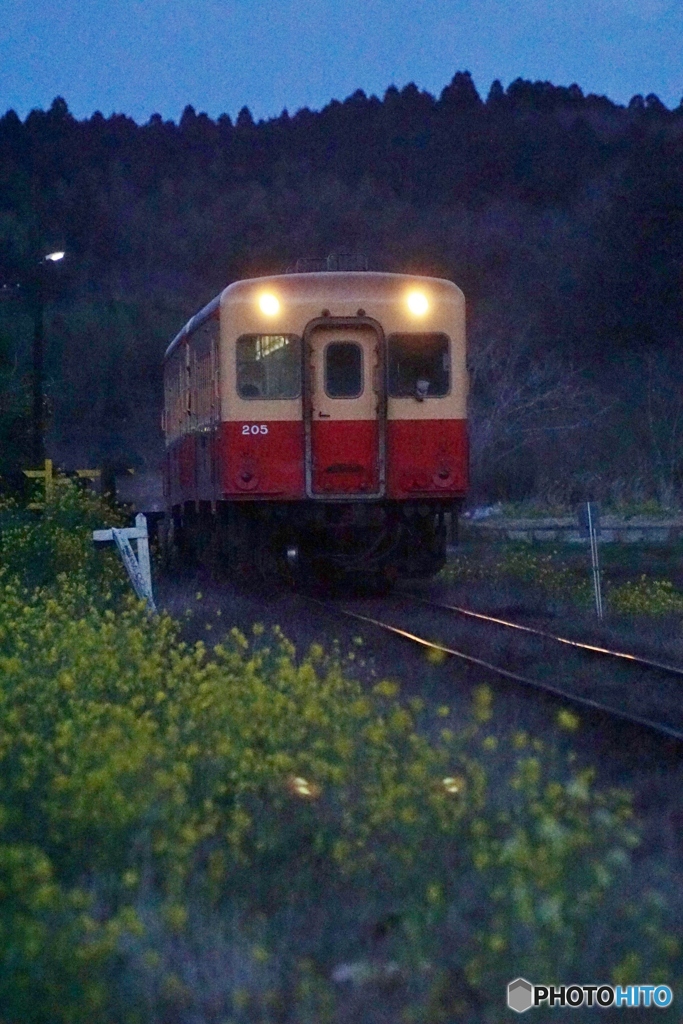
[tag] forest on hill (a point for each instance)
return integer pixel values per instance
(559, 214)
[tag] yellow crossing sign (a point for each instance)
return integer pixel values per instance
(49, 480)
(48, 476)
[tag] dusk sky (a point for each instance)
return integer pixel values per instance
(139, 57)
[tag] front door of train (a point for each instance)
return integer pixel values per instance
(344, 408)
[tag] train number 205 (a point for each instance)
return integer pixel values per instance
(254, 428)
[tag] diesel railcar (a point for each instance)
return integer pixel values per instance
(315, 424)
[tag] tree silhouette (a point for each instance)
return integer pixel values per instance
(557, 212)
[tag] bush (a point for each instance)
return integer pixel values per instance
(37, 547)
(149, 787)
(543, 569)
(562, 579)
(646, 596)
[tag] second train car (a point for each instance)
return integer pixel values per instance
(315, 424)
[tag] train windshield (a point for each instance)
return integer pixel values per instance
(269, 366)
(419, 365)
(343, 369)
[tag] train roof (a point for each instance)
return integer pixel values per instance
(324, 285)
(210, 310)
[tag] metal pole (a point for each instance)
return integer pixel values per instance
(38, 425)
(595, 561)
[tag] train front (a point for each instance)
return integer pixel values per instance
(343, 418)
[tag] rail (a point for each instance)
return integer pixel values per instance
(586, 702)
(634, 659)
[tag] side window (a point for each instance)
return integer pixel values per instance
(419, 365)
(268, 366)
(202, 346)
(175, 394)
(343, 369)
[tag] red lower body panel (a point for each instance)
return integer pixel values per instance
(345, 457)
(261, 459)
(237, 460)
(426, 458)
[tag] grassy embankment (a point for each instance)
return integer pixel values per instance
(636, 579)
(217, 835)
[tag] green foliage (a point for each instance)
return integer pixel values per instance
(647, 508)
(39, 547)
(646, 596)
(550, 571)
(56, 955)
(146, 784)
(565, 579)
(549, 506)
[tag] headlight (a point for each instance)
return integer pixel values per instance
(417, 303)
(269, 304)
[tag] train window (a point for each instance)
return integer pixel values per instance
(201, 381)
(269, 366)
(175, 397)
(343, 369)
(419, 365)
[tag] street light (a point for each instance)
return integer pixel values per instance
(37, 304)
(30, 284)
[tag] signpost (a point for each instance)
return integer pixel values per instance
(89, 474)
(138, 568)
(589, 525)
(48, 480)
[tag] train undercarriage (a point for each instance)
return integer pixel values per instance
(375, 542)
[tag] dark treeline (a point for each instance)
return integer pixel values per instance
(560, 215)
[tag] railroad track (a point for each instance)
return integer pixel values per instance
(622, 658)
(634, 659)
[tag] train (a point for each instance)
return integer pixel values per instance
(315, 425)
